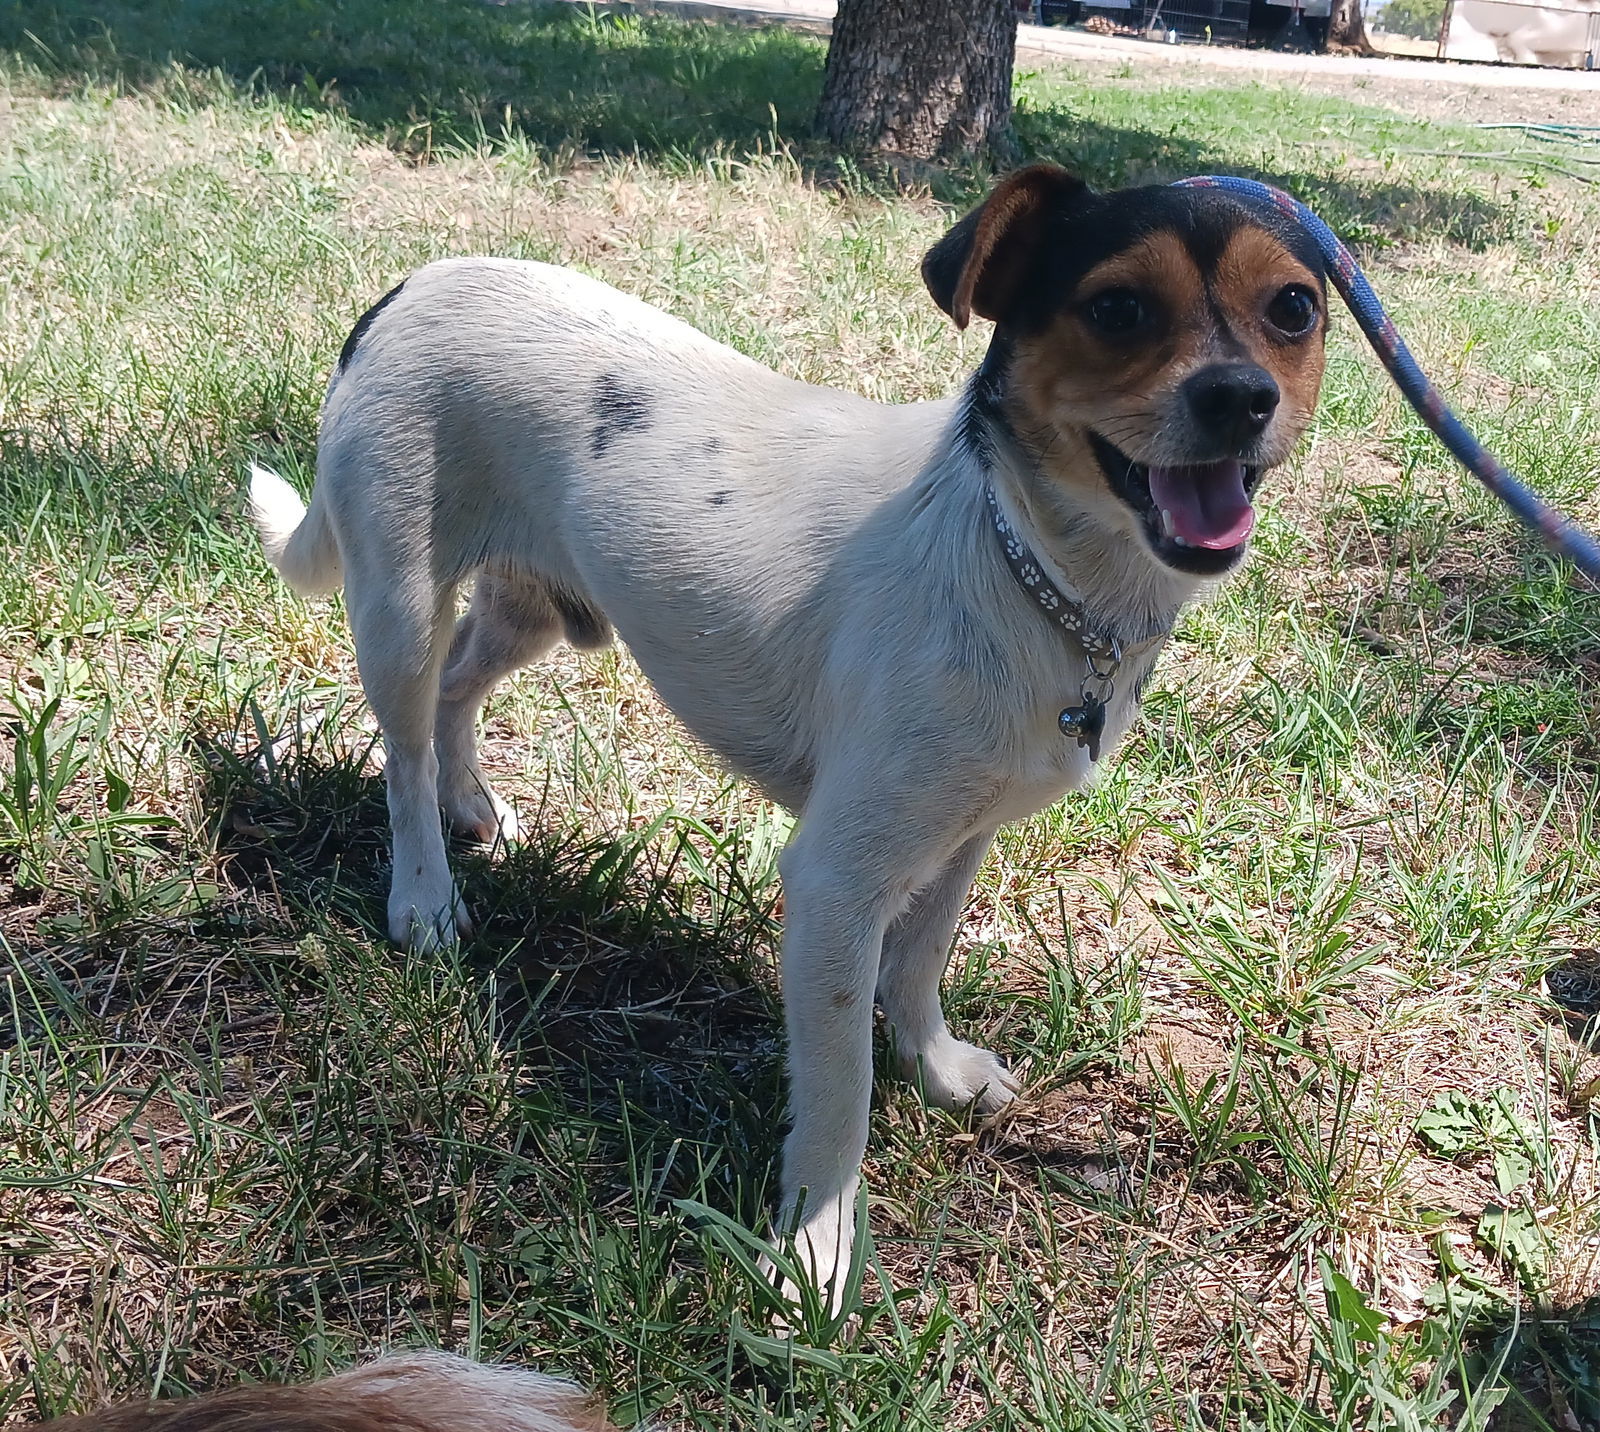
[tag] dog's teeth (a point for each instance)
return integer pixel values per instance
(1166, 523)
(1180, 541)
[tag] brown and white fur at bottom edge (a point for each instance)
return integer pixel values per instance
(404, 1392)
(811, 580)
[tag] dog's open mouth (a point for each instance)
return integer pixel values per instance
(1197, 517)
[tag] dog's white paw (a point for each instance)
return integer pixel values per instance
(782, 1324)
(422, 924)
(954, 1074)
(822, 1248)
(474, 810)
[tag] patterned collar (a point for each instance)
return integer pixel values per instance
(1067, 612)
(1103, 653)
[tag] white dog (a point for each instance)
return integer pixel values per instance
(908, 624)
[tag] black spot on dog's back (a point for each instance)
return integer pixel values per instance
(620, 407)
(364, 323)
(719, 499)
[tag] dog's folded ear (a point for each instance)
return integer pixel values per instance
(983, 264)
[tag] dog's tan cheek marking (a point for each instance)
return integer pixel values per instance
(1302, 382)
(1252, 269)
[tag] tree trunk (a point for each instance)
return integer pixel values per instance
(926, 78)
(1347, 28)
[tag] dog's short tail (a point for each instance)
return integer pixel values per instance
(300, 544)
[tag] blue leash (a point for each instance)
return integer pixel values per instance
(1558, 531)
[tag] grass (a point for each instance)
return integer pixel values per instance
(1306, 1145)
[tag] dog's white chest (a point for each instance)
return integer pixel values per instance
(1053, 763)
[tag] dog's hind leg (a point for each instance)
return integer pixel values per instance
(512, 622)
(400, 617)
(951, 1072)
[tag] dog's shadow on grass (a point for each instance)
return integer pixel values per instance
(424, 75)
(1548, 1362)
(646, 996)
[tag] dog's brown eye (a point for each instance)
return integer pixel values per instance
(1293, 309)
(1117, 311)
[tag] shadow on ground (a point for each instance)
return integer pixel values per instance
(1549, 1361)
(426, 75)
(607, 978)
(386, 1140)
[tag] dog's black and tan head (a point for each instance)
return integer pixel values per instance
(1161, 346)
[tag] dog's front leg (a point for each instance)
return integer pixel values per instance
(951, 1072)
(844, 881)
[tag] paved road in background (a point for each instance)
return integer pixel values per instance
(1074, 44)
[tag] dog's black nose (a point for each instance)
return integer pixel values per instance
(1232, 401)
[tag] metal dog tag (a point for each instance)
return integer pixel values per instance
(1085, 723)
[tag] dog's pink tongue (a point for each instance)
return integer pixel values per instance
(1207, 504)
